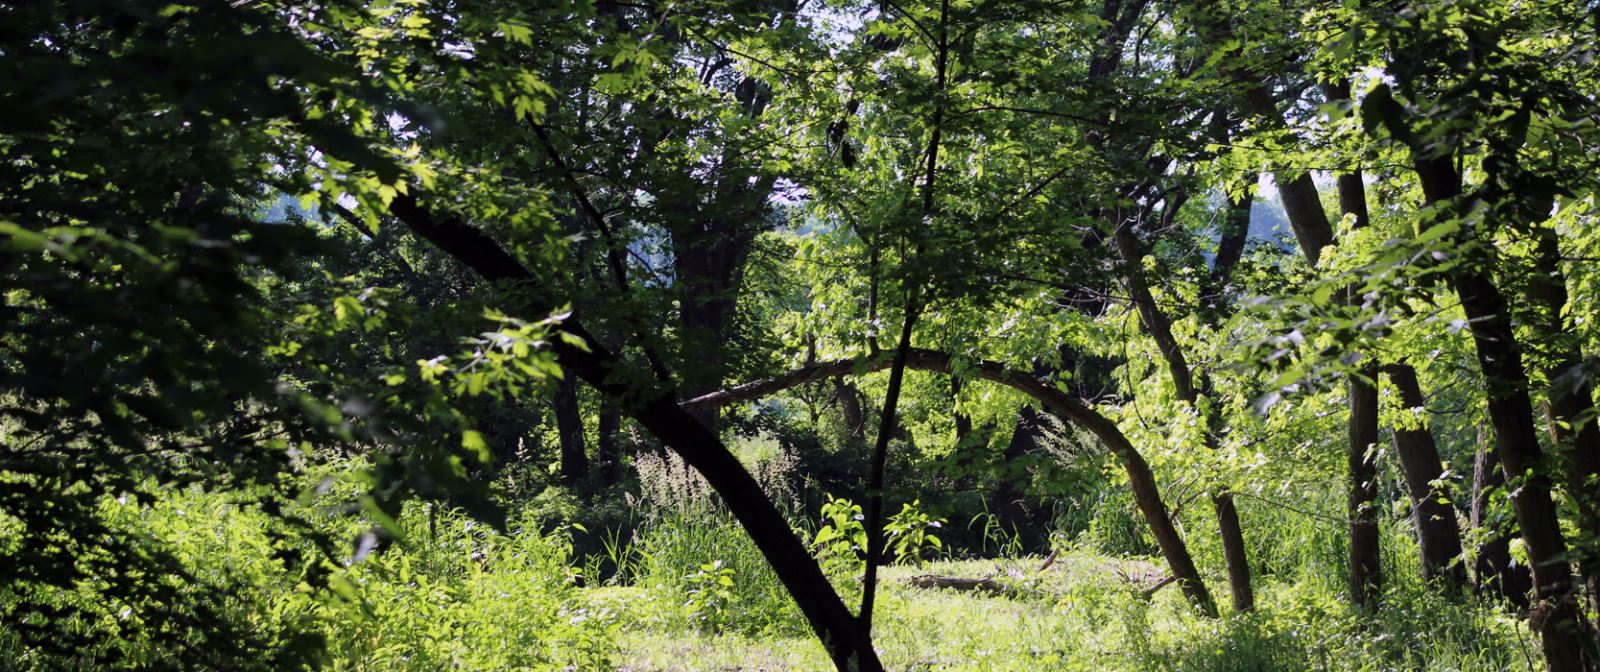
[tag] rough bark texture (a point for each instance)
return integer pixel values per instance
(855, 418)
(848, 645)
(1516, 438)
(1438, 533)
(1496, 575)
(1146, 493)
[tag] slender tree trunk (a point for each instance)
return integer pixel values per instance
(875, 475)
(1309, 221)
(1496, 575)
(1159, 326)
(1366, 572)
(1234, 557)
(1366, 567)
(1516, 438)
(569, 428)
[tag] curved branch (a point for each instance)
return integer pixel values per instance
(1140, 477)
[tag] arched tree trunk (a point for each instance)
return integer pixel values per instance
(1147, 494)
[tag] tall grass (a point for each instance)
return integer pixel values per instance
(686, 541)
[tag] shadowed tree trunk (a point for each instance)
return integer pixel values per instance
(1511, 415)
(1569, 404)
(1438, 533)
(1366, 568)
(848, 645)
(569, 428)
(855, 418)
(1007, 502)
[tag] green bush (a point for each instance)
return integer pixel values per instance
(450, 594)
(468, 597)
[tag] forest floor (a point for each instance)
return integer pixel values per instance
(1090, 612)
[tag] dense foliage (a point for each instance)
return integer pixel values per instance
(537, 335)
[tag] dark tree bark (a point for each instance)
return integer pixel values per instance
(1496, 575)
(1511, 415)
(1146, 492)
(1006, 500)
(848, 645)
(1366, 571)
(707, 259)
(1366, 567)
(569, 429)
(963, 423)
(875, 473)
(1438, 533)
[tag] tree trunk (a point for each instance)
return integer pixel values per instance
(1303, 206)
(1495, 573)
(1007, 501)
(1366, 566)
(1366, 572)
(1516, 438)
(855, 418)
(963, 423)
(569, 428)
(1159, 326)
(1569, 406)
(1234, 557)
(1438, 533)
(848, 645)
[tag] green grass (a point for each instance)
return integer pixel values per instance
(1083, 614)
(457, 595)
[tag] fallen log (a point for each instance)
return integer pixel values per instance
(985, 584)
